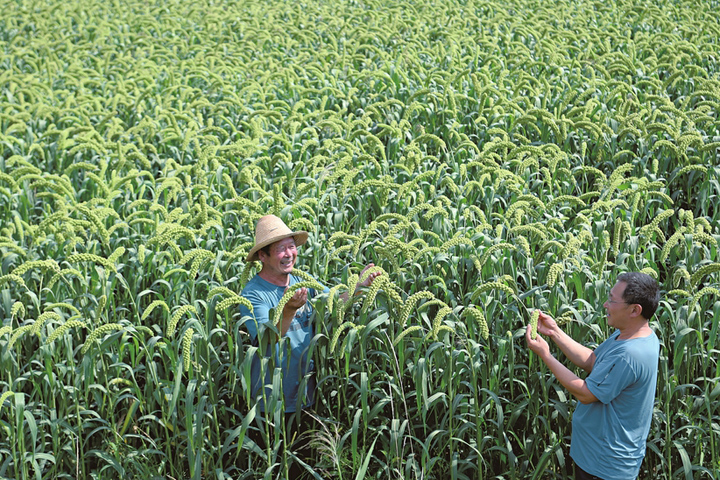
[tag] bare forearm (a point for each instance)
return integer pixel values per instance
(574, 384)
(345, 296)
(578, 354)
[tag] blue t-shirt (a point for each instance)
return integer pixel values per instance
(293, 358)
(608, 436)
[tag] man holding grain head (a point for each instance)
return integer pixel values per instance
(612, 419)
(276, 248)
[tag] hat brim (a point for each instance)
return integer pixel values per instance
(300, 239)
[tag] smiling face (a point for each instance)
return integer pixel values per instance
(281, 259)
(619, 312)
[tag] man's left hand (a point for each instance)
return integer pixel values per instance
(371, 278)
(537, 345)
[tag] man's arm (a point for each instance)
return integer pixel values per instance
(578, 354)
(574, 384)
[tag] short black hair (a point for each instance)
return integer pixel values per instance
(641, 289)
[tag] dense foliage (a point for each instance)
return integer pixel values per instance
(488, 156)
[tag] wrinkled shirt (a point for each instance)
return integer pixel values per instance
(609, 436)
(290, 353)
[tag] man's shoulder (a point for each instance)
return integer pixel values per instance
(638, 353)
(250, 286)
(256, 286)
(641, 347)
(647, 346)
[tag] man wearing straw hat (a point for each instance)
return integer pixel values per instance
(276, 248)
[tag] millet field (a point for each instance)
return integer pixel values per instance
(489, 157)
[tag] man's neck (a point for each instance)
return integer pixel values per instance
(281, 280)
(635, 331)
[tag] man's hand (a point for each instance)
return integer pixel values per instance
(345, 296)
(371, 278)
(567, 378)
(538, 345)
(297, 300)
(581, 356)
(546, 325)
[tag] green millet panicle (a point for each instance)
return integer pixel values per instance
(172, 324)
(62, 329)
(480, 320)
(702, 271)
(99, 332)
(37, 326)
(68, 306)
(338, 331)
(290, 292)
(234, 300)
(680, 274)
(17, 333)
(373, 290)
(186, 344)
(152, 306)
(534, 317)
(220, 290)
(4, 397)
(17, 310)
(555, 270)
(41, 264)
(406, 332)
(410, 303)
(437, 322)
(485, 287)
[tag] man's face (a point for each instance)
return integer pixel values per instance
(282, 256)
(618, 310)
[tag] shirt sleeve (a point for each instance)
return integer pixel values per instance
(610, 378)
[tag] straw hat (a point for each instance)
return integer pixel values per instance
(271, 229)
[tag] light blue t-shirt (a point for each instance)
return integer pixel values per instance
(264, 296)
(609, 436)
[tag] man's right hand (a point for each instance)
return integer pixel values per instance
(297, 300)
(547, 325)
(578, 354)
